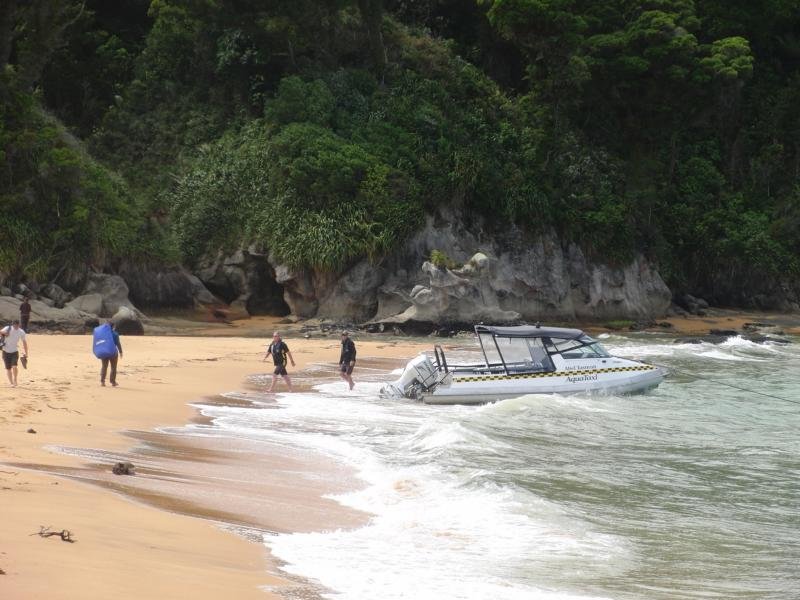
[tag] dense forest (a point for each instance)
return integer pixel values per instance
(325, 130)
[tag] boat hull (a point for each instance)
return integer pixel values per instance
(491, 388)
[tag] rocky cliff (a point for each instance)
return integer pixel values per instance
(478, 275)
(490, 277)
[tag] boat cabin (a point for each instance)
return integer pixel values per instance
(527, 349)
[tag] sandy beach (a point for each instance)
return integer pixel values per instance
(127, 546)
(140, 536)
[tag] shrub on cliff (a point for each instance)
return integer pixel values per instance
(60, 207)
(306, 194)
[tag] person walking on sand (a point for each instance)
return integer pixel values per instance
(12, 335)
(108, 349)
(24, 313)
(279, 351)
(347, 359)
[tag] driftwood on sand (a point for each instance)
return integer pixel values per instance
(64, 534)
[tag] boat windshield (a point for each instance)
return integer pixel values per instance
(518, 354)
(490, 350)
(582, 347)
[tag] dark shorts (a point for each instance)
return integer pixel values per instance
(10, 359)
(280, 370)
(347, 368)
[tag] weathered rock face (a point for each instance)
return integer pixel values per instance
(87, 303)
(547, 280)
(67, 319)
(57, 294)
(513, 280)
(351, 296)
(499, 278)
(113, 291)
(156, 287)
(104, 294)
(494, 277)
(127, 322)
(463, 295)
(245, 280)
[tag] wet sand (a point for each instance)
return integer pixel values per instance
(719, 318)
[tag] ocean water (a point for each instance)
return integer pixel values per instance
(691, 491)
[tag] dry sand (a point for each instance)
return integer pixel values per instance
(148, 542)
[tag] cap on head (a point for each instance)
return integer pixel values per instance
(276, 334)
(345, 332)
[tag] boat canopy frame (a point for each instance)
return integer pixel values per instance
(578, 338)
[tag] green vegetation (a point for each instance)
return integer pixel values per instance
(619, 324)
(441, 260)
(324, 131)
(60, 207)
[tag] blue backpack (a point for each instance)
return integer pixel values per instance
(103, 342)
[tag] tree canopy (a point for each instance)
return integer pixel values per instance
(325, 130)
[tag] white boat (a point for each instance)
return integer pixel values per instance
(522, 360)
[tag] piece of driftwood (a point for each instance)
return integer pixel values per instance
(64, 534)
(123, 468)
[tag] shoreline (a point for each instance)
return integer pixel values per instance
(164, 532)
(59, 477)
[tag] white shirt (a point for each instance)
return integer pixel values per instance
(13, 338)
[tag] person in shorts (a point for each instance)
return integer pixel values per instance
(279, 351)
(13, 334)
(347, 359)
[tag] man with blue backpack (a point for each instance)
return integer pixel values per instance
(108, 349)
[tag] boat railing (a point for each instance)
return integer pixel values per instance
(511, 368)
(441, 361)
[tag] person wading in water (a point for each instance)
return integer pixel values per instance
(279, 351)
(347, 359)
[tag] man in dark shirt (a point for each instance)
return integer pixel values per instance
(279, 351)
(347, 359)
(24, 314)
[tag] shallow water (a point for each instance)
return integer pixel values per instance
(689, 491)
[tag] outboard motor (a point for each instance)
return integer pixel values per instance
(419, 374)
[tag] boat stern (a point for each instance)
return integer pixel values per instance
(418, 376)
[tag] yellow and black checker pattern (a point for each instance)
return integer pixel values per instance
(470, 378)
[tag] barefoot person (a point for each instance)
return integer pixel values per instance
(279, 351)
(347, 359)
(13, 334)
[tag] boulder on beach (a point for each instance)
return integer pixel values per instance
(127, 322)
(88, 303)
(112, 289)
